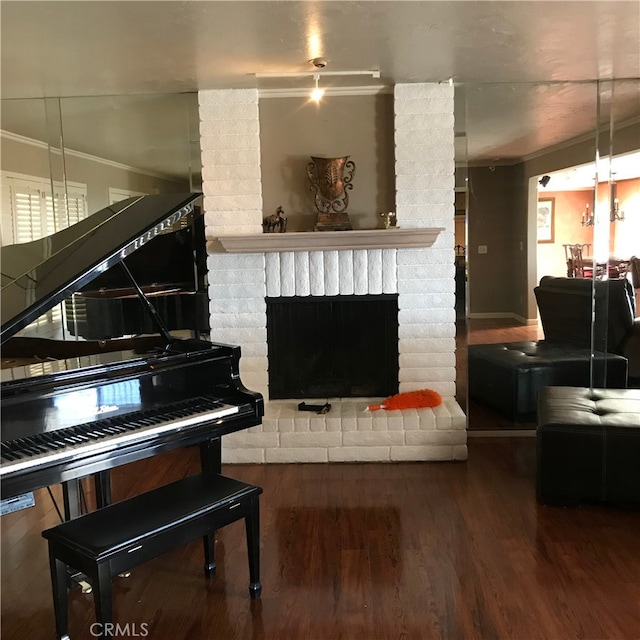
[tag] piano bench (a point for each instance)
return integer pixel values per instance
(116, 538)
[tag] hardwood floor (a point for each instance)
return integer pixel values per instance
(450, 550)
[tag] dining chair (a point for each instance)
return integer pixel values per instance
(574, 254)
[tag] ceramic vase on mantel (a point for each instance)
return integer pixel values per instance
(331, 178)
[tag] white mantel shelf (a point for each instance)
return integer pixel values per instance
(394, 238)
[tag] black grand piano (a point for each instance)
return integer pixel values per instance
(74, 408)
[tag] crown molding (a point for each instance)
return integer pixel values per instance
(587, 137)
(16, 137)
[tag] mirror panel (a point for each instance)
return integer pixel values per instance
(616, 229)
(520, 226)
(136, 144)
(66, 158)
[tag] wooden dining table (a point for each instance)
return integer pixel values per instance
(615, 267)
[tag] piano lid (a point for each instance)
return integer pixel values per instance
(38, 275)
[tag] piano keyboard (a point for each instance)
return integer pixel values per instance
(100, 436)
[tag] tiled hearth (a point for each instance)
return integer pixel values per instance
(422, 276)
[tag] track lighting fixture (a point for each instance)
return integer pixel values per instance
(317, 93)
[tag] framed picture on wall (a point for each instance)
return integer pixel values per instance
(545, 219)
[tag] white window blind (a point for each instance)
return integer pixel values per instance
(31, 211)
(28, 209)
(36, 212)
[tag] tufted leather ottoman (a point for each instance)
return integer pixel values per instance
(508, 376)
(588, 446)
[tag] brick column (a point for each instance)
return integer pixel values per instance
(230, 143)
(425, 186)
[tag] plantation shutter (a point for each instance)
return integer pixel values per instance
(28, 212)
(6, 220)
(31, 212)
(35, 212)
(64, 210)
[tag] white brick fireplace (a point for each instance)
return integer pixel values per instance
(423, 278)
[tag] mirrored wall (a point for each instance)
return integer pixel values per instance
(86, 153)
(552, 192)
(65, 159)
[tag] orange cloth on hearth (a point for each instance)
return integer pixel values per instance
(409, 400)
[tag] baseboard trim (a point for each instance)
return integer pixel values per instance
(503, 315)
(501, 433)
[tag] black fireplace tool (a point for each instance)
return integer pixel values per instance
(316, 408)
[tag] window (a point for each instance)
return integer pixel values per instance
(30, 211)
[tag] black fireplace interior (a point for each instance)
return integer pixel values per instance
(333, 346)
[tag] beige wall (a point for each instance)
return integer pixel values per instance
(494, 210)
(499, 217)
(294, 129)
(28, 159)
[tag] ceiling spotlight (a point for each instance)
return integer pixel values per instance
(317, 93)
(319, 63)
(544, 181)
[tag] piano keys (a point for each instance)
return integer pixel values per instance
(72, 408)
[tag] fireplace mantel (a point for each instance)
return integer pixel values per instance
(393, 238)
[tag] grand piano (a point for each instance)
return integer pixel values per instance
(77, 408)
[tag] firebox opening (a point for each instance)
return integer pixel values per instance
(333, 346)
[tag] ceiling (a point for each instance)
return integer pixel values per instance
(525, 72)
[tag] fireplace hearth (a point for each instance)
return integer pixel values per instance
(415, 260)
(332, 346)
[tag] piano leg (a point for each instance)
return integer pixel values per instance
(71, 499)
(72, 494)
(211, 456)
(102, 481)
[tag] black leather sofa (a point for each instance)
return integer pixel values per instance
(509, 376)
(566, 306)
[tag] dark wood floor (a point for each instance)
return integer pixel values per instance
(363, 551)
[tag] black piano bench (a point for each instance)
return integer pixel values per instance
(116, 538)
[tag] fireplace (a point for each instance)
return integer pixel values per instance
(332, 346)
(415, 261)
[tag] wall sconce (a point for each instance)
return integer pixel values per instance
(588, 217)
(615, 213)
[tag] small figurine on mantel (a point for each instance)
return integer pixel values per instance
(388, 218)
(275, 223)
